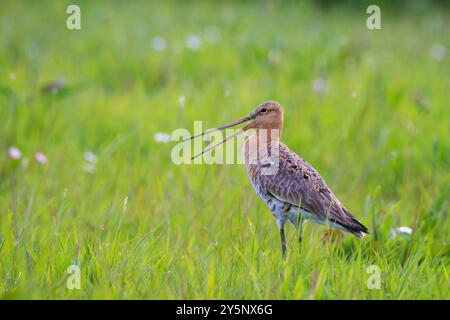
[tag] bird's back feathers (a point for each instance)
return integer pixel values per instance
(297, 183)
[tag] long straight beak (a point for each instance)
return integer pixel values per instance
(218, 143)
(228, 125)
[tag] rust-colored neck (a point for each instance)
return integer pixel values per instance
(261, 145)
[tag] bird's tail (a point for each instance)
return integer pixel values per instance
(351, 224)
(356, 228)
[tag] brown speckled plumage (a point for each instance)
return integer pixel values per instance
(290, 186)
(298, 184)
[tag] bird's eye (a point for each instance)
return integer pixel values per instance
(263, 110)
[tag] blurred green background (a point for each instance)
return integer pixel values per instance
(85, 171)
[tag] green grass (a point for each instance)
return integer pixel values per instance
(379, 135)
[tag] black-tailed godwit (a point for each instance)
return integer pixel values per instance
(290, 186)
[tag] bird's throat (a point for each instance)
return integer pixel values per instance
(260, 146)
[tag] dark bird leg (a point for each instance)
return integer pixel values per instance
(300, 231)
(283, 242)
(283, 238)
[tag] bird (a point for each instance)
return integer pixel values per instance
(292, 189)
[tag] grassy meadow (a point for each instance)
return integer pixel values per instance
(86, 176)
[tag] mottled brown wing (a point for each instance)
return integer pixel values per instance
(299, 184)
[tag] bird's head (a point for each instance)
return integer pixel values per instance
(268, 115)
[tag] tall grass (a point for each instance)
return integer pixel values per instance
(141, 227)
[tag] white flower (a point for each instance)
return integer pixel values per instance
(438, 51)
(40, 157)
(91, 157)
(158, 43)
(193, 42)
(319, 85)
(162, 137)
(406, 230)
(12, 76)
(14, 153)
(401, 231)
